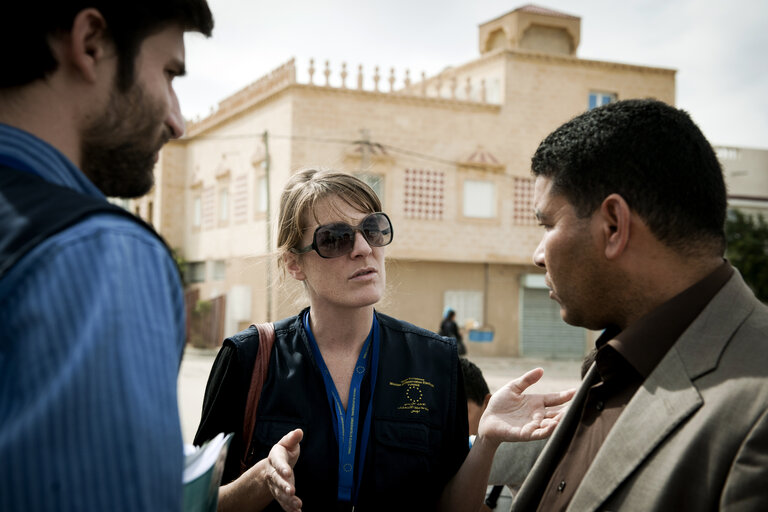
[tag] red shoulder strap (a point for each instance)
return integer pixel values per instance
(260, 368)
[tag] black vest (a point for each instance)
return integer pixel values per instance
(32, 210)
(418, 435)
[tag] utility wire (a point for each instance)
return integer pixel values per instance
(387, 147)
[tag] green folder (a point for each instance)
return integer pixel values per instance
(203, 467)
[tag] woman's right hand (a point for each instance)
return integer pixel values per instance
(279, 470)
(513, 415)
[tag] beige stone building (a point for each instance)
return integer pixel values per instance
(448, 154)
(746, 174)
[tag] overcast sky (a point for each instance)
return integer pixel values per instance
(718, 47)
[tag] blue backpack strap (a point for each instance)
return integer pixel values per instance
(32, 210)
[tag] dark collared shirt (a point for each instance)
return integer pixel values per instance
(623, 361)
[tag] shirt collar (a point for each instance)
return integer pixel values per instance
(644, 343)
(24, 151)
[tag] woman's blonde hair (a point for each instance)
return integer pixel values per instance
(308, 187)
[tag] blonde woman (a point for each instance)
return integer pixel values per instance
(358, 410)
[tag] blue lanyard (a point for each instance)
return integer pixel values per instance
(345, 426)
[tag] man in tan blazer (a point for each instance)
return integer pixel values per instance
(673, 413)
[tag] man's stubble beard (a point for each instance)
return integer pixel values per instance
(118, 148)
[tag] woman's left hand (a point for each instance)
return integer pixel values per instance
(279, 475)
(512, 415)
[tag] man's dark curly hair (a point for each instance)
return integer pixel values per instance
(651, 154)
(26, 25)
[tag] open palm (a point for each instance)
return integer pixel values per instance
(512, 415)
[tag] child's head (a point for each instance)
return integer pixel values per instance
(477, 392)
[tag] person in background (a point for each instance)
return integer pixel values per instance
(91, 306)
(449, 328)
(512, 461)
(376, 403)
(673, 414)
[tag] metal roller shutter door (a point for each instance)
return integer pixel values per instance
(544, 333)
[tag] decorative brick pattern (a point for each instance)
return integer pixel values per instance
(240, 198)
(424, 194)
(522, 202)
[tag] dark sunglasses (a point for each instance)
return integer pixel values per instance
(338, 239)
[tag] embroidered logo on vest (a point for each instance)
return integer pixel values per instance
(413, 394)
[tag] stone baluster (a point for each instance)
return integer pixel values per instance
(468, 89)
(391, 79)
(311, 70)
(407, 79)
(359, 77)
(453, 87)
(376, 78)
(423, 83)
(438, 84)
(343, 75)
(482, 90)
(327, 73)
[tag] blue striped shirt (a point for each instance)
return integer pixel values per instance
(91, 337)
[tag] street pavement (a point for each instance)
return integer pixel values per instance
(196, 365)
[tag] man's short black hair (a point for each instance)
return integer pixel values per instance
(26, 25)
(474, 383)
(651, 154)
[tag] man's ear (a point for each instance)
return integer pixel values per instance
(615, 217)
(291, 262)
(85, 47)
(486, 400)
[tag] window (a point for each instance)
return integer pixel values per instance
(261, 194)
(424, 196)
(223, 205)
(240, 198)
(195, 271)
(468, 305)
(219, 270)
(598, 99)
(479, 199)
(197, 211)
(375, 181)
(209, 207)
(724, 153)
(522, 202)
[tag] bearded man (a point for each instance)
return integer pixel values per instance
(91, 307)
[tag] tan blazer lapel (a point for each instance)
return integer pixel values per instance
(665, 399)
(701, 345)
